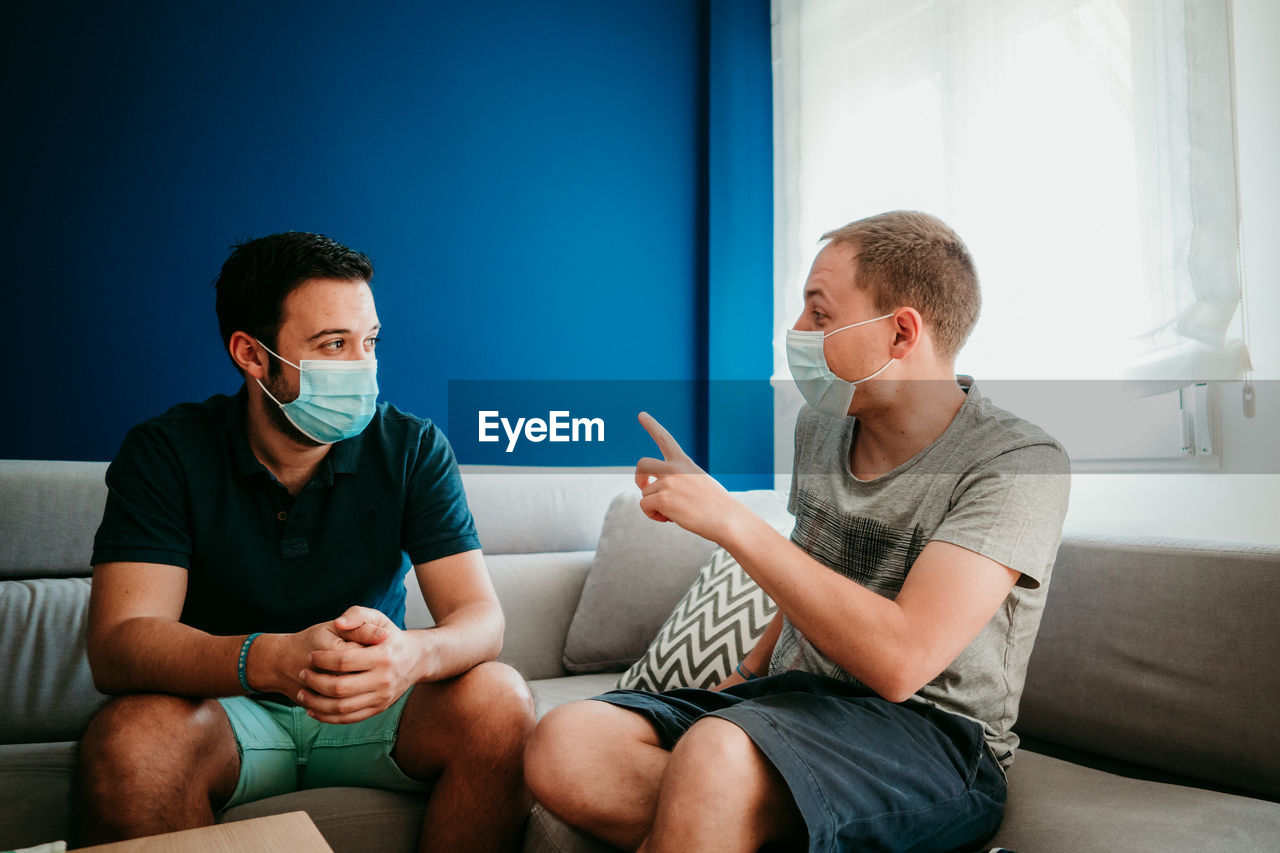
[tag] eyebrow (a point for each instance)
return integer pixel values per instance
(325, 332)
(814, 291)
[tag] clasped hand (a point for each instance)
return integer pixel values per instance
(352, 668)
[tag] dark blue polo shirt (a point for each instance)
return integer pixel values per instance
(186, 490)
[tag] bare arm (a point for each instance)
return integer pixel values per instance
(469, 622)
(136, 643)
(892, 646)
(757, 660)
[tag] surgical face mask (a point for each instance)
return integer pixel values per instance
(336, 397)
(822, 389)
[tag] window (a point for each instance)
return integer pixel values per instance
(1082, 148)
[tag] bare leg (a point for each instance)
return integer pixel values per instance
(720, 793)
(598, 767)
(467, 735)
(152, 764)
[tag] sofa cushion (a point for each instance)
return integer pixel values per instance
(546, 833)
(538, 593)
(49, 512)
(641, 570)
(36, 782)
(352, 820)
(710, 630)
(1057, 805)
(536, 510)
(549, 693)
(46, 689)
(1163, 653)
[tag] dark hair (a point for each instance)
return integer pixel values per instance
(260, 273)
(905, 257)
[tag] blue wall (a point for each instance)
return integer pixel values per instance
(530, 179)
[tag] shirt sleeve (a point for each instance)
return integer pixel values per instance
(146, 515)
(1011, 508)
(437, 520)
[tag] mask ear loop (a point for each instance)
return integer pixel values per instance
(874, 375)
(859, 323)
(268, 393)
(277, 355)
(259, 381)
(857, 382)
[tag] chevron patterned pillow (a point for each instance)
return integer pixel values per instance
(713, 627)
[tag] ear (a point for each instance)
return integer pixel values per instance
(908, 327)
(249, 354)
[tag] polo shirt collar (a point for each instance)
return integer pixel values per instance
(343, 457)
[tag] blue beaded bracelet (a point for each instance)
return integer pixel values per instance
(746, 673)
(244, 659)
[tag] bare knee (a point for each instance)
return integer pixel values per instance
(578, 752)
(144, 751)
(147, 735)
(723, 749)
(482, 717)
(496, 684)
(718, 762)
(718, 759)
(497, 710)
(555, 751)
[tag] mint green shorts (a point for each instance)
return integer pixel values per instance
(283, 750)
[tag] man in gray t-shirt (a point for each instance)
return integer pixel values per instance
(992, 484)
(876, 710)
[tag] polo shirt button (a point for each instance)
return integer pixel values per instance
(282, 515)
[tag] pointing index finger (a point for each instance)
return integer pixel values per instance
(669, 446)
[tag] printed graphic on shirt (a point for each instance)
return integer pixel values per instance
(864, 550)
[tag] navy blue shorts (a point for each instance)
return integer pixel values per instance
(866, 774)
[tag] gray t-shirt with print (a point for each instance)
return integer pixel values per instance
(991, 483)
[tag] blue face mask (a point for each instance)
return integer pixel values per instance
(822, 389)
(336, 397)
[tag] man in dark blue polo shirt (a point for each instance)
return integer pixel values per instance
(249, 590)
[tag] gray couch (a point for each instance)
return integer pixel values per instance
(1150, 721)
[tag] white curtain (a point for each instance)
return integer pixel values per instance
(1082, 148)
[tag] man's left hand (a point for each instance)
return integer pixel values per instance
(366, 676)
(676, 489)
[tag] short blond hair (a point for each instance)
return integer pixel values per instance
(913, 259)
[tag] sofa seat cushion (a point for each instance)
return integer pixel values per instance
(352, 820)
(1056, 805)
(35, 793)
(46, 689)
(548, 834)
(550, 692)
